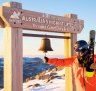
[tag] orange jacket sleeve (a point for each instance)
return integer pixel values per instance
(61, 62)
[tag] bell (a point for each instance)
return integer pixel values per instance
(45, 45)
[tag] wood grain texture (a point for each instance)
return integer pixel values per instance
(68, 52)
(13, 68)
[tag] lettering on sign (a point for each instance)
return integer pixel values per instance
(41, 21)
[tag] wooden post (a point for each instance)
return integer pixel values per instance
(68, 52)
(13, 72)
(13, 67)
(68, 71)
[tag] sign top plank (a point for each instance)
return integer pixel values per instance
(30, 20)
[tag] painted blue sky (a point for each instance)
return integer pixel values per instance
(85, 9)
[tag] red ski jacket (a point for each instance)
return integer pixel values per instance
(77, 73)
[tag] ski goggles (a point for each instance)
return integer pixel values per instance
(76, 49)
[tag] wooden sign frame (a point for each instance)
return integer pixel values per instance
(14, 19)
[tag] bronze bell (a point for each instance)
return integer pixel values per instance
(45, 45)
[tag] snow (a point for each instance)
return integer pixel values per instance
(56, 84)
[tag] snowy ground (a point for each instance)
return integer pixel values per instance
(56, 84)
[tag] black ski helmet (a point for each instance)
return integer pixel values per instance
(80, 46)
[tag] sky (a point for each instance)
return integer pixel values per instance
(85, 9)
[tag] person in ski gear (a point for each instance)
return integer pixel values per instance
(81, 82)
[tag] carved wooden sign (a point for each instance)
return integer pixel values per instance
(30, 20)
